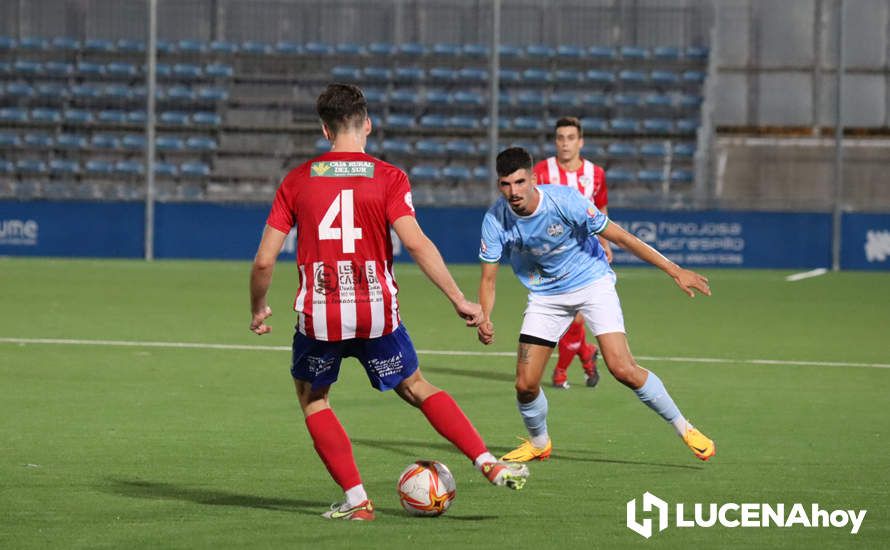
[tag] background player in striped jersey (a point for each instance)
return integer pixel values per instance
(545, 232)
(568, 168)
(343, 204)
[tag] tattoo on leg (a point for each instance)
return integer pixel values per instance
(523, 353)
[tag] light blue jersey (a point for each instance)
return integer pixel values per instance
(552, 250)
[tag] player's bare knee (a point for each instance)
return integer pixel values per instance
(526, 393)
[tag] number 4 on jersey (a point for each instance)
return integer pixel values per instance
(347, 233)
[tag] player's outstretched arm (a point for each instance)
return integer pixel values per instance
(261, 278)
(487, 285)
(427, 257)
(688, 281)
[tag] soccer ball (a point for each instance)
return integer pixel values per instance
(426, 488)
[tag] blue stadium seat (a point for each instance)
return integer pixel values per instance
(435, 97)
(77, 116)
(601, 53)
(411, 49)
(566, 51)
(633, 78)
(666, 53)
(653, 149)
(202, 143)
(531, 98)
(350, 49)
(469, 98)
(650, 176)
(322, 145)
(539, 51)
(33, 43)
(180, 94)
(286, 47)
(409, 74)
(58, 68)
(19, 90)
(374, 95)
(657, 126)
(99, 45)
(433, 122)
(85, 91)
(430, 148)
(504, 123)
(623, 125)
(129, 168)
(687, 125)
(71, 141)
(480, 173)
(463, 122)
(664, 79)
(600, 78)
(659, 102)
(593, 151)
(693, 77)
(505, 99)
(173, 118)
(445, 49)
(535, 76)
(346, 73)
(381, 48)
(684, 150)
(166, 169)
(212, 94)
(65, 44)
(627, 100)
(527, 123)
(224, 47)
(7, 43)
(117, 92)
(619, 175)
(120, 69)
(442, 74)
(206, 118)
(457, 173)
(475, 50)
(565, 100)
(129, 45)
(634, 53)
(9, 140)
(372, 147)
(682, 176)
(472, 75)
(99, 167)
(27, 68)
(461, 147)
(568, 76)
(620, 149)
(318, 48)
(219, 70)
(30, 167)
(377, 74)
(46, 115)
(594, 125)
(255, 47)
(51, 90)
(424, 173)
(62, 167)
(397, 147)
(162, 70)
(112, 116)
(191, 46)
(399, 122)
(88, 68)
(509, 51)
(169, 143)
(137, 117)
(690, 101)
(187, 71)
(5, 68)
(404, 97)
(6, 167)
(133, 142)
(39, 141)
(104, 141)
(595, 100)
(697, 53)
(509, 76)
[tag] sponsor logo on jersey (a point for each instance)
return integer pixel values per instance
(343, 169)
(555, 230)
(409, 200)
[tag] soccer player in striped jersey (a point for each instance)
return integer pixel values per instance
(343, 204)
(568, 168)
(545, 233)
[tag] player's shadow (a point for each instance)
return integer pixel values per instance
(411, 449)
(493, 374)
(158, 490)
(588, 458)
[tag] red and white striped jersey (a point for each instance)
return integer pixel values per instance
(590, 180)
(343, 205)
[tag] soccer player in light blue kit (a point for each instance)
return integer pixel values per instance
(549, 233)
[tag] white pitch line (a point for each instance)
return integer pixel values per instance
(806, 274)
(244, 347)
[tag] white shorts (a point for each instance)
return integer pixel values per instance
(548, 317)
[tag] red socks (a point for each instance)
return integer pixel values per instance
(452, 424)
(333, 447)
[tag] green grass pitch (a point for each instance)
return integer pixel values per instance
(138, 446)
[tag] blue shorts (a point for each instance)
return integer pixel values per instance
(387, 360)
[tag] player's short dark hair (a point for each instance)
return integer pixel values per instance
(513, 159)
(570, 121)
(340, 106)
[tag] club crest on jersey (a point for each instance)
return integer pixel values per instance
(555, 230)
(586, 181)
(591, 211)
(325, 279)
(320, 168)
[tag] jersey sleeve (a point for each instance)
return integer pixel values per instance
(492, 245)
(399, 202)
(600, 194)
(281, 217)
(542, 174)
(585, 214)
